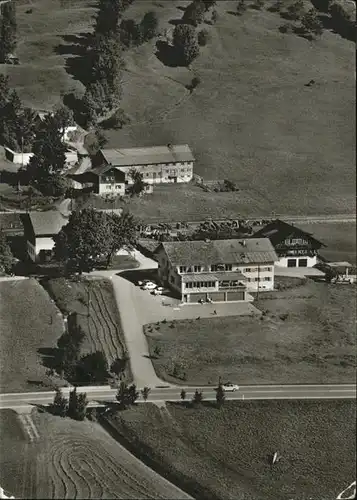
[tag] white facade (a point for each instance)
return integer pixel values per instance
(42, 243)
(24, 158)
(258, 277)
(162, 172)
(297, 261)
(112, 188)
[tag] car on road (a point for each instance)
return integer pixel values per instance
(150, 285)
(158, 291)
(229, 387)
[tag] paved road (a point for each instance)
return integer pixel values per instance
(247, 392)
(141, 366)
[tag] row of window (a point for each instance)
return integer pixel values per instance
(255, 269)
(295, 241)
(110, 186)
(222, 267)
(201, 284)
(266, 278)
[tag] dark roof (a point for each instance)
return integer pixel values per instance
(47, 223)
(239, 251)
(277, 231)
(148, 156)
(231, 276)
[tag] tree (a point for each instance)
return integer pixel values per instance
(194, 13)
(214, 17)
(6, 257)
(258, 4)
(52, 185)
(220, 395)
(8, 28)
(310, 23)
(77, 405)
(60, 404)
(69, 345)
(48, 151)
(130, 33)
(90, 107)
(197, 397)
(92, 368)
(295, 10)
(185, 43)
(203, 37)
(109, 13)
(209, 4)
(83, 240)
(119, 364)
(157, 350)
(241, 7)
(138, 185)
(122, 233)
(149, 25)
(63, 117)
(145, 393)
(118, 119)
(126, 396)
(183, 394)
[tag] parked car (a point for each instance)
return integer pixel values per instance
(158, 291)
(149, 286)
(143, 282)
(229, 387)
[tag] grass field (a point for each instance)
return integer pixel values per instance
(289, 148)
(227, 453)
(340, 239)
(102, 327)
(71, 460)
(28, 321)
(314, 343)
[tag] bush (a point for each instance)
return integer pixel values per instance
(203, 38)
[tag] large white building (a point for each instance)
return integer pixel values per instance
(158, 164)
(219, 270)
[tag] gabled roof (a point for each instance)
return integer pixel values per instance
(147, 156)
(239, 251)
(277, 231)
(47, 223)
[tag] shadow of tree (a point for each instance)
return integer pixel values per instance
(79, 47)
(51, 357)
(167, 54)
(175, 22)
(347, 31)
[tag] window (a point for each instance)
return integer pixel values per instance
(256, 279)
(228, 267)
(247, 269)
(117, 186)
(188, 285)
(302, 262)
(182, 170)
(197, 269)
(268, 269)
(291, 262)
(217, 267)
(108, 186)
(182, 269)
(267, 278)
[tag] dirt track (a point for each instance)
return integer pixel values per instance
(80, 460)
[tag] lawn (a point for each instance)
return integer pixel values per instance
(29, 321)
(306, 335)
(17, 458)
(227, 453)
(340, 239)
(46, 37)
(102, 326)
(289, 148)
(72, 460)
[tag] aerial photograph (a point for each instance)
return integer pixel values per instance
(178, 267)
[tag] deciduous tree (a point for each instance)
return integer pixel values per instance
(241, 7)
(220, 395)
(194, 13)
(183, 394)
(6, 257)
(138, 185)
(8, 28)
(185, 43)
(296, 10)
(60, 404)
(77, 405)
(149, 25)
(92, 368)
(145, 393)
(310, 23)
(197, 397)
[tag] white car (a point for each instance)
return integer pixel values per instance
(143, 282)
(158, 291)
(229, 387)
(149, 286)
